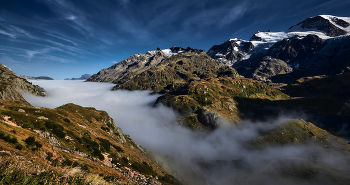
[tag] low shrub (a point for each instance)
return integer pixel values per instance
(30, 140)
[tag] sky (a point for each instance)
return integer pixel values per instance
(67, 38)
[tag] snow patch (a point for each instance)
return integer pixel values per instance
(168, 52)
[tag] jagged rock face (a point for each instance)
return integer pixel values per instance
(230, 51)
(296, 49)
(269, 67)
(10, 85)
(325, 25)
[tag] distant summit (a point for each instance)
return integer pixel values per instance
(83, 77)
(34, 78)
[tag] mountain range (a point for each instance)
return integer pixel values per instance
(317, 46)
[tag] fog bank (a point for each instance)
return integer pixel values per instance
(218, 157)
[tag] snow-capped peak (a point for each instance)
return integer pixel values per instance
(329, 25)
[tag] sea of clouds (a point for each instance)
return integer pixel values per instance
(219, 157)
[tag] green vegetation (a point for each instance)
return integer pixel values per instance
(8, 138)
(105, 128)
(143, 168)
(105, 144)
(34, 145)
(118, 148)
(169, 179)
(55, 128)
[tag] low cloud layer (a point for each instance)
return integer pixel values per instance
(219, 157)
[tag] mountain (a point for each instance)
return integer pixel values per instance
(137, 64)
(317, 46)
(83, 77)
(34, 78)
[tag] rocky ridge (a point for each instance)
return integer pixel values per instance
(136, 64)
(35, 78)
(10, 85)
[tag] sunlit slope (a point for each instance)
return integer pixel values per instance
(75, 140)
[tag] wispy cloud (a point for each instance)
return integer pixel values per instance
(235, 13)
(7, 34)
(31, 54)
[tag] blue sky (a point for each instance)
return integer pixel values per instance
(68, 38)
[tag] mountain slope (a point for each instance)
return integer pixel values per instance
(204, 103)
(74, 139)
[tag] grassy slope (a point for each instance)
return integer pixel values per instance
(78, 129)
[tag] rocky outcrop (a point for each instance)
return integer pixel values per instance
(11, 85)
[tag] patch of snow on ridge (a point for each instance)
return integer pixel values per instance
(167, 52)
(331, 18)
